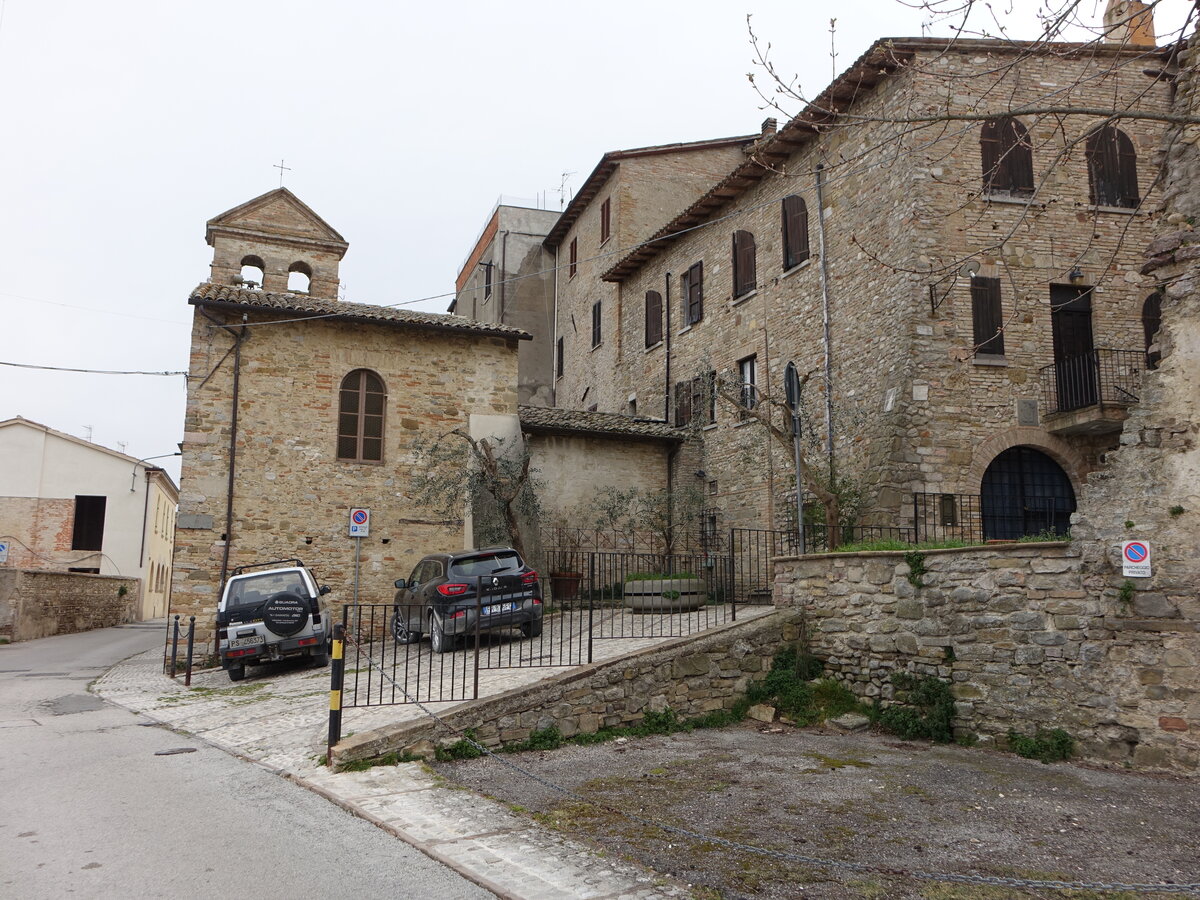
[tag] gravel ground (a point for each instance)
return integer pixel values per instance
(866, 798)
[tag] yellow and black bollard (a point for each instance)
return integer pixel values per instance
(336, 678)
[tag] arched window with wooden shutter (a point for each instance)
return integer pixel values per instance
(361, 402)
(795, 231)
(1112, 168)
(744, 276)
(1151, 322)
(1007, 156)
(654, 314)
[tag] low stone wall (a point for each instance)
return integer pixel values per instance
(1024, 636)
(35, 603)
(692, 676)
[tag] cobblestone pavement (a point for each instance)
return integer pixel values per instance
(278, 717)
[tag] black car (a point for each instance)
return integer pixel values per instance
(442, 597)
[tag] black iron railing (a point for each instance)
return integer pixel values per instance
(1095, 378)
(947, 517)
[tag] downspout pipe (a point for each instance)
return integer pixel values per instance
(827, 344)
(554, 348)
(667, 350)
(238, 336)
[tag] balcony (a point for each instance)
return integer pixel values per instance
(1091, 393)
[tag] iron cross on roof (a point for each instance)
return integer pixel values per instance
(282, 168)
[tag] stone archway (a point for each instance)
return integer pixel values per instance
(1024, 491)
(1071, 460)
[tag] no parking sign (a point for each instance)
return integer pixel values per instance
(360, 523)
(1135, 559)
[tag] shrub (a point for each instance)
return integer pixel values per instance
(1046, 746)
(925, 709)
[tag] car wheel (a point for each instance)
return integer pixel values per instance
(532, 629)
(438, 639)
(237, 673)
(400, 631)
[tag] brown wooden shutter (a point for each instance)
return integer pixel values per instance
(795, 231)
(654, 313)
(683, 403)
(596, 324)
(987, 316)
(1019, 154)
(1126, 170)
(743, 263)
(695, 293)
(605, 219)
(991, 153)
(574, 256)
(559, 362)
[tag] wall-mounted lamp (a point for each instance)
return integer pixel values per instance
(1075, 275)
(701, 474)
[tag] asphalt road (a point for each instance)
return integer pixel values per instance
(88, 809)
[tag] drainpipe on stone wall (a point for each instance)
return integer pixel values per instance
(554, 351)
(825, 321)
(238, 337)
(503, 273)
(667, 357)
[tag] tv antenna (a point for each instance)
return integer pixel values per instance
(562, 190)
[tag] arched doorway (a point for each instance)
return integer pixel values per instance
(1024, 491)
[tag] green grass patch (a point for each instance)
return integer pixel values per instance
(387, 759)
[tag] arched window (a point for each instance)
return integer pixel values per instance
(299, 277)
(1112, 168)
(1007, 156)
(744, 277)
(1023, 492)
(360, 417)
(252, 271)
(795, 231)
(1151, 322)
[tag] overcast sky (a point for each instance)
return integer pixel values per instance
(129, 124)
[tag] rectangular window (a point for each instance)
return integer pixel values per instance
(748, 376)
(795, 231)
(596, 324)
(88, 533)
(487, 280)
(558, 362)
(744, 276)
(654, 312)
(704, 397)
(574, 267)
(693, 294)
(987, 316)
(605, 219)
(683, 403)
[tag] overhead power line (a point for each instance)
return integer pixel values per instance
(86, 371)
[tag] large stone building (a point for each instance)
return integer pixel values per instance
(68, 505)
(508, 278)
(958, 273)
(301, 406)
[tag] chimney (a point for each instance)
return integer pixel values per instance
(1129, 23)
(769, 126)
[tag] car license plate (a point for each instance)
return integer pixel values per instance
(248, 641)
(496, 608)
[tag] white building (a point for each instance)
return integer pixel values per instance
(70, 505)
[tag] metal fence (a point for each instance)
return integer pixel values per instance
(1098, 377)
(947, 517)
(630, 596)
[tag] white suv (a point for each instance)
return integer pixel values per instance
(272, 613)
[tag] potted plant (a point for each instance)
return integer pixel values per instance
(663, 592)
(564, 556)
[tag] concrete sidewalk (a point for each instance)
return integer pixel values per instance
(279, 721)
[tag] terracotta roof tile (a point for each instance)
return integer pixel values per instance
(552, 420)
(302, 305)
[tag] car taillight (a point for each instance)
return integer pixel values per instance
(529, 578)
(453, 590)
(459, 614)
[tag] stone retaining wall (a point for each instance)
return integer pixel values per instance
(692, 676)
(1024, 644)
(35, 604)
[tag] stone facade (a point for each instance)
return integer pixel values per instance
(641, 188)
(1024, 644)
(37, 604)
(915, 408)
(1150, 488)
(264, 477)
(508, 279)
(692, 676)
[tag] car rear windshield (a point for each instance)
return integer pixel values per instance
(255, 589)
(485, 564)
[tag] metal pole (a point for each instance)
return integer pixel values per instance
(799, 479)
(478, 616)
(591, 598)
(357, 557)
(187, 679)
(175, 645)
(337, 674)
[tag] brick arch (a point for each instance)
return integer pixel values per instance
(1026, 436)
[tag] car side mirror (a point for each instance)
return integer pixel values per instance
(401, 583)
(325, 589)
